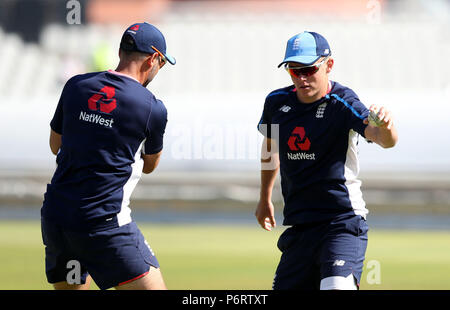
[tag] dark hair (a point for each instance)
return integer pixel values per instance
(128, 44)
(128, 47)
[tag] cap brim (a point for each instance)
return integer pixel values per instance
(170, 59)
(304, 60)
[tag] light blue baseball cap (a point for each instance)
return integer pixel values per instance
(306, 48)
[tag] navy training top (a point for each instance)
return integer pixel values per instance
(106, 120)
(318, 152)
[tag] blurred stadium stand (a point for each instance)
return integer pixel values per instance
(228, 47)
(390, 52)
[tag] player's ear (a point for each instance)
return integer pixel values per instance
(153, 60)
(149, 61)
(330, 63)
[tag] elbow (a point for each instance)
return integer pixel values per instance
(388, 146)
(54, 150)
(390, 143)
(150, 162)
(148, 170)
(55, 142)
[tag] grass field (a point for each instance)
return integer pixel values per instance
(239, 257)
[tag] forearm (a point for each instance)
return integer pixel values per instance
(387, 137)
(270, 163)
(268, 178)
(382, 136)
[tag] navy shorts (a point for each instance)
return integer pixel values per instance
(112, 257)
(314, 252)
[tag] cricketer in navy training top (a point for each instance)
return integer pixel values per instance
(311, 130)
(107, 129)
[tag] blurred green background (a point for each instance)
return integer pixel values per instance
(239, 257)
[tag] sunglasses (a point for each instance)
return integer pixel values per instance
(162, 58)
(305, 71)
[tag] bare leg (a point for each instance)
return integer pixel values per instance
(153, 280)
(66, 286)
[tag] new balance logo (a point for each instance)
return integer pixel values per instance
(339, 262)
(285, 108)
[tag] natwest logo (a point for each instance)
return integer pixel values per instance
(135, 28)
(298, 140)
(98, 101)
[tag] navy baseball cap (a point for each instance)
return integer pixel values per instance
(306, 48)
(142, 37)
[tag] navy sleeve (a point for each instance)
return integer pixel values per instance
(357, 112)
(56, 124)
(155, 129)
(57, 120)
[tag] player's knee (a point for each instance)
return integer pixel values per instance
(156, 280)
(152, 280)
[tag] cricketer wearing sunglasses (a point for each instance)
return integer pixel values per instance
(311, 131)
